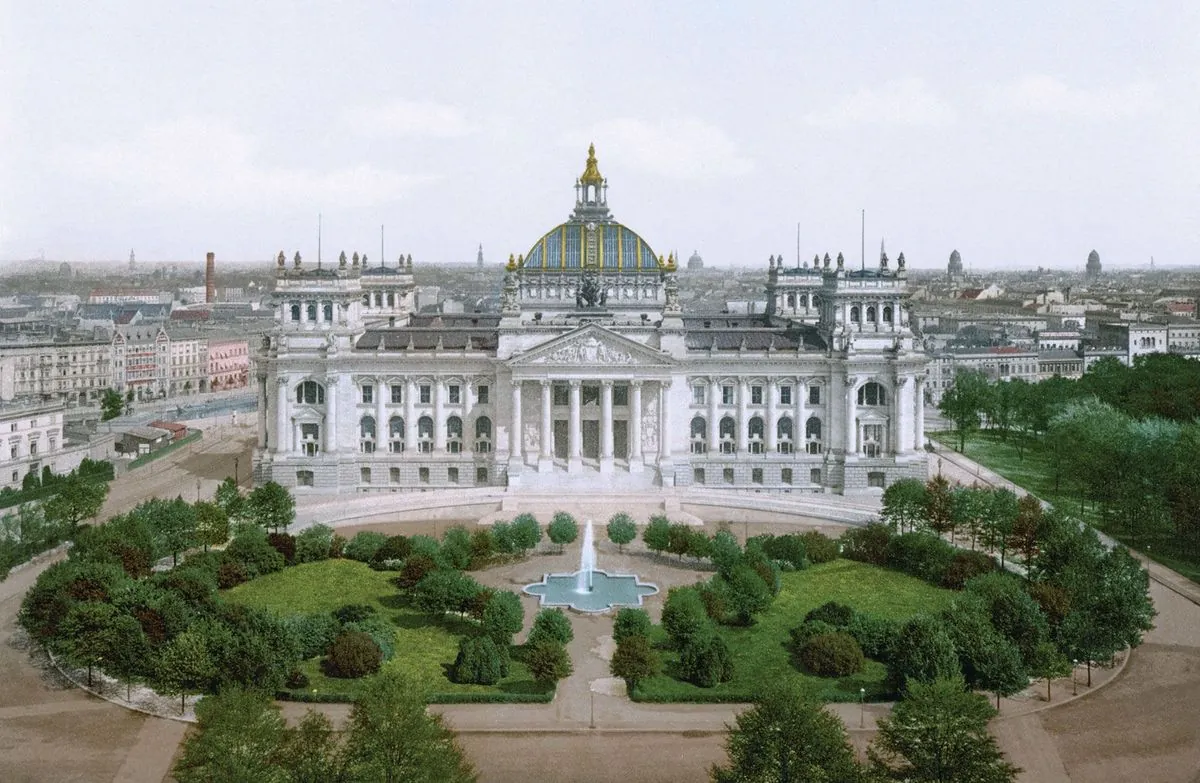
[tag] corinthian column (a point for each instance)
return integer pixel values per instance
(331, 418)
(575, 444)
(546, 458)
(636, 461)
(514, 427)
(281, 417)
(606, 426)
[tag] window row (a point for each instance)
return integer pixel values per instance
(305, 478)
(728, 476)
(871, 314)
(368, 436)
(454, 393)
(309, 311)
(755, 432)
(757, 394)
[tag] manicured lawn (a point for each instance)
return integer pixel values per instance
(760, 652)
(425, 646)
(1031, 470)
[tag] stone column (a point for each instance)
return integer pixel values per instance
(381, 425)
(575, 444)
(410, 414)
(714, 415)
(261, 413)
(919, 434)
(664, 423)
(297, 441)
(636, 461)
(331, 414)
(546, 458)
(851, 439)
(439, 424)
(606, 426)
(281, 404)
(801, 414)
(515, 446)
(772, 416)
(743, 430)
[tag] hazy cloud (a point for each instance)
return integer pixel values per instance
(409, 119)
(1043, 94)
(211, 166)
(683, 147)
(901, 102)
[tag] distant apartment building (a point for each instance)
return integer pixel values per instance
(1003, 363)
(76, 371)
(228, 363)
(187, 371)
(141, 357)
(127, 296)
(32, 436)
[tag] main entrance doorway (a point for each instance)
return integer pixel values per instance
(591, 439)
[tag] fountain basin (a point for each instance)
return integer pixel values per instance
(607, 590)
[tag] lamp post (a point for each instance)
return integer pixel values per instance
(197, 490)
(1074, 681)
(236, 472)
(862, 708)
(592, 721)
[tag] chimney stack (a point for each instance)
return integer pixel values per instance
(210, 278)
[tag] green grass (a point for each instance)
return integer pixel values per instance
(425, 646)
(1029, 468)
(760, 652)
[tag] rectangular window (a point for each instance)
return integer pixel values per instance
(814, 395)
(785, 395)
(785, 475)
(589, 395)
(304, 478)
(756, 475)
(454, 446)
(620, 396)
(727, 475)
(368, 393)
(452, 475)
(394, 475)
(727, 395)
(397, 394)
(562, 395)
(699, 394)
(426, 393)
(877, 479)
(756, 395)
(482, 394)
(33, 447)
(698, 475)
(423, 475)
(814, 475)
(364, 475)
(481, 475)
(454, 393)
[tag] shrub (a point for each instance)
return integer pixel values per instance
(832, 655)
(231, 574)
(634, 660)
(503, 617)
(312, 633)
(195, 586)
(547, 661)
(631, 622)
(657, 535)
(353, 654)
(250, 548)
(867, 544)
(713, 598)
(923, 651)
(395, 548)
(479, 662)
(801, 634)
(337, 546)
(382, 632)
(875, 635)
(415, 568)
(456, 548)
(923, 555)
(819, 547)
(706, 660)
(503, 538)
(285, 545)
(837, 615)
(364, 545)
(966, 566)
(551, 625)
(789, 550)
(683, 615)
(296, 680)
(526, 533)
(353, 613)
(313, 544)
(482, 546)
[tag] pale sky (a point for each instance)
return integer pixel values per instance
(1021, 133)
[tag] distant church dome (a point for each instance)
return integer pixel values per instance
(695, 262)
(591, 239)
(1093, 264)
(955, 267)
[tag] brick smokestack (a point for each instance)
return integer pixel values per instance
(210, 278)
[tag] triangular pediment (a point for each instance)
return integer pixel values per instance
(591, 346)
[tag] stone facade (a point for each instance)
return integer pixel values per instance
(591, 376)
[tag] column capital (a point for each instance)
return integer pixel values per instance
(575, 383)
(636, 383)
(331, 380)
(606, 383)
(544, 382)
(281, 381)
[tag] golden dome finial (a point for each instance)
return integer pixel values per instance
(591, 172)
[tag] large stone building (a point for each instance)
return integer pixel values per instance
(73, 371)
(591, 376)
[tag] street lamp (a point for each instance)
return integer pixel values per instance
(592, 723)
(862, 708)
(197, 490)
(236, 473)
(1074, 681)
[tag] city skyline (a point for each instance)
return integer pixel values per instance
(1023, 138)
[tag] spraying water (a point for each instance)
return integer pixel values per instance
(587, 561)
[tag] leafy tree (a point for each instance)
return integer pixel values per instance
(998, 526)
(504, 538)
(1012, 611)
(455, 550)
(185, 666)
(683, 615)
(503, 617)
(631, 622)
(271, 506)
(249, 548)
(526, 532)
(679, 539)
(391, 738)
(353, 654)
(621, 530)
(904, 504)
(364, 546)
(229, 497)
(725, 552)
(310, 752)
(77, 499)
(705, 660)
(1048, 664)
(964, 401)
(1026, 528)
(788, 736)
(969, 507)
(547, 661)
(313, 543)
(657, 535)
(938, 734)
(440, 592)
(480, 661)
(563, 529)
(552, 625)
(110, 405)
(239, 740)
(988, 660)
(634, 660)
(212, 524)
(923, 652)
(83, 636)
(746, 594)
(939, 505)
(125, 650)
(482, 545)
(174, 524)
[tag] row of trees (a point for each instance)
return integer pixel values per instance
(36, 527)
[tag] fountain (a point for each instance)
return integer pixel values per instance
(590, 589)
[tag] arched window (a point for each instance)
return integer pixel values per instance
(887, 314)
(804, 301)
(871, 314)
(295, 308)
(454, 431)
(783, 432)
(483, 434)
(425, 434)
(727, 431)
(699, 435)
(812, 435)
(366, 300)
(791, 300)
(310, 393)
(366, 434)
(871, 393)
(854, 316)
(327, 307)
(755, 430)
(396, 434)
